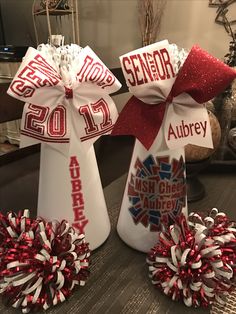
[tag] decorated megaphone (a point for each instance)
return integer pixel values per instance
(68, 107)
(165, 113)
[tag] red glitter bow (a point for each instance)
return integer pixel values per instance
(202, 77)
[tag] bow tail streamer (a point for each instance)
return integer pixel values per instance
(141, 120)
(53, 130)
(187, 125)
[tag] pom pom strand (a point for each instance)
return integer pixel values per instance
(41, 262)
(195, 259)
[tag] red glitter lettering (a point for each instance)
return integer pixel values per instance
(80, 220)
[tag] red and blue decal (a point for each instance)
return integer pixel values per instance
(157, 191)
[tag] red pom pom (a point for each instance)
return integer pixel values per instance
(195, 259)
(41, 262)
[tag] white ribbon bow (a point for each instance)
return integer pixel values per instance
(65, 92)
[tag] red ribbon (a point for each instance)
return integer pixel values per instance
(202, 76)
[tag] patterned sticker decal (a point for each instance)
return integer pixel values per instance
(157, 191)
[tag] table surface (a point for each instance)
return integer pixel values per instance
(119, 281)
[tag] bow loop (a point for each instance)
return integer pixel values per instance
(202, 76)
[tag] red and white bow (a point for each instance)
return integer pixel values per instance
(162, 97)
(65, 97)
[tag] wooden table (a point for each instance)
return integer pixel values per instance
(119, 280)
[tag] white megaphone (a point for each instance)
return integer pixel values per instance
(155, 194)
(70, 188)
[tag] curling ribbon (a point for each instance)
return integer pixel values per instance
(162, 97)
(191, 255)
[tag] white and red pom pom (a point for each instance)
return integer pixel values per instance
(41, 262)
(195, 259)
